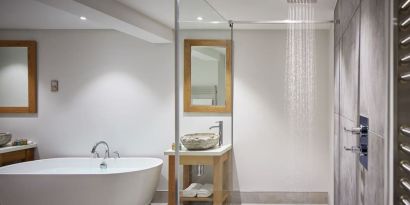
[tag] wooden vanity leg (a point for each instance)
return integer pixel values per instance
(187, 176)
(29, 155)
(218, 181)
(171, 180)
(229, 179)
(187, 179)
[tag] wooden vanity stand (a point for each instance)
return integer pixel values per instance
(16, 154)
(217, 158)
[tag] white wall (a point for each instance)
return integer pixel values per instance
(113, 87)
(267, 158)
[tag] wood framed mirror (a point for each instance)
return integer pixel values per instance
(18, 76)
(207, 76)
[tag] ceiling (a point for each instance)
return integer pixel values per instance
(238, 10)
(149, 19)
(30, 14)
(265, 10)
(159, 10)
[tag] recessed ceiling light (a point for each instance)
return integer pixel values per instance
(83, 18)
(199, 18)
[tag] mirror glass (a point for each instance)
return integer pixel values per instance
(208, 67)
(14, 70)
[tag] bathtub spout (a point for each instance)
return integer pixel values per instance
(103, 165)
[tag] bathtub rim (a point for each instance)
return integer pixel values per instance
(158, 163)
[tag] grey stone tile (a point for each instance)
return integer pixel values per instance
(362, 185)
(374, 177)
(374, 65)
(347, 11)
(160, 197)
(336, 108)
(348, 165)
(349, 71)
(338, 25)
(336, 158)
(280, 197)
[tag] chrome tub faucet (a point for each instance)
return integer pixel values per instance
(107, 150)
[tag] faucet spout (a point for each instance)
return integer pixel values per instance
(220, 127)
(107, 151)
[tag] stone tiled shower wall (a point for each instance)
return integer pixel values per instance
(361, 84)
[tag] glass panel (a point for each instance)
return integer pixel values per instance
(197, 14)
(198, 20)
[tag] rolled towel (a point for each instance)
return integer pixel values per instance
(191, 190)
(205, 191)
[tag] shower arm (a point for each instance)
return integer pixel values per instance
(283, 22)
(262, 22)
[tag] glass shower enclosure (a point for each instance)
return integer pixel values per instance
(204, 89)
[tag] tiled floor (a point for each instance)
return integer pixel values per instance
(261, 204)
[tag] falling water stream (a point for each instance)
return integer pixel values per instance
(300, 69)
(300, 77)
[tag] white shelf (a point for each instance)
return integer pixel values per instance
(219, 151)
(16, 148)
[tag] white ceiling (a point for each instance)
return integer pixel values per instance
(264, 10)
(29, 14)
(159, 10)
(146, 17)
(239, 10)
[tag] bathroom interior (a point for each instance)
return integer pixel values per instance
(154, 102)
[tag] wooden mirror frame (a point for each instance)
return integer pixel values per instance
(188, 107)
(32, 76)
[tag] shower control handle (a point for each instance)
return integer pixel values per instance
(357, 130)
(354, 149)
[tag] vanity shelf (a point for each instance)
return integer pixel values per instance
(16, 154)
(207, 199)
(218, 158)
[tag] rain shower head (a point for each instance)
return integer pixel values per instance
(302, 1)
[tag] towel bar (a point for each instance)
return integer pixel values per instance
(404, 200)
(405, 76)
(405, 165)
(405, 148)
(405, 184)
(404, 129)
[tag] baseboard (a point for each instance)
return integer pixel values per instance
(279, 197)
(160, 197)
(265, 197)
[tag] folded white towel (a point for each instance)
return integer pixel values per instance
(205, 191)
(191, 190)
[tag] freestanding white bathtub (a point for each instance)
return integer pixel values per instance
(80, 181)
